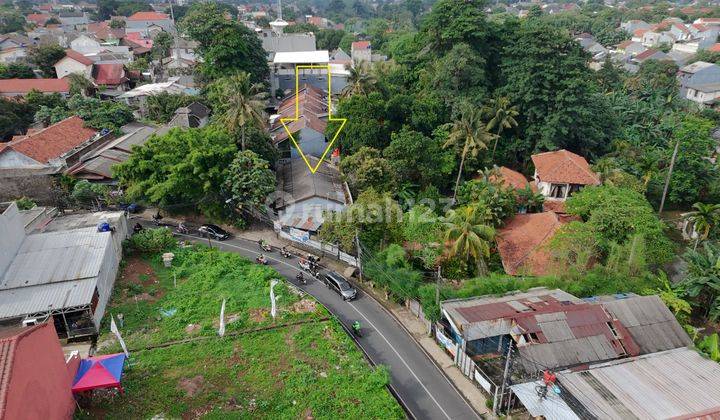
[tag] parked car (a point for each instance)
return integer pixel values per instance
(338, 283)
(213, 231)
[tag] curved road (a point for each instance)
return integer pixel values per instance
(423, 388)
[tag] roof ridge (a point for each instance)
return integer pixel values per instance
(589, 172)
(29, 136)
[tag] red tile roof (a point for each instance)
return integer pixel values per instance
(109, 74)
(564, 167)
(23, 86)
(54, 141)
(77, 57)
(646, 54)
(38, 18)
(714, 48)
(557, 206)
(149, 16)
(640, 32)
(312, 111)
(137, 38)
(361, 45)
(523, 241)
(512, 179)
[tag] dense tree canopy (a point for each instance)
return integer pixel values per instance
(226, 46)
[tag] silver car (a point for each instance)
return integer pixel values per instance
(340, 285)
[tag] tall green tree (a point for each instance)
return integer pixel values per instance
(502, 117)
(468, 237)
(226, 46)
(468, 134)
(238, 102)
(250, 180)
(45, 57)
(547, 78)
(359, 82)
(185, 168)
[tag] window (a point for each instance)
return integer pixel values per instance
(557, 190)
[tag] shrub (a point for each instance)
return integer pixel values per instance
(25, 203)
(151, 240)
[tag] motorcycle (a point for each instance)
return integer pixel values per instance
(356, 329)
(260, 259)
(284, 252)
(305, 265)
(182, 229)
(300, 277)
(157, 219)
(264, 246)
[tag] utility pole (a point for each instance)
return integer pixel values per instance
(667, 180)
(437, 287)
(505, 373)
(359, 260)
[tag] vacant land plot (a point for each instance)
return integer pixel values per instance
(299, 365)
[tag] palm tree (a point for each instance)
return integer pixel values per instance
(360, 81)
(471, 134)
(703, 219)
(703, 280)
(502, 117)
(467, 236)
(241, 102)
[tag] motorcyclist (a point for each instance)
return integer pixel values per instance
(301, 277)
(261, 259)
(356, 327)
(182, 228)
(137, 228)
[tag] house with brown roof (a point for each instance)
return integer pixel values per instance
(50, 147)
(559, 174)
(509, 178)
(21, 87)
(143, 21)
(110, 75)
(360, 51)
(524, 240)
(73, 62)
(35, 379)
(308, 130)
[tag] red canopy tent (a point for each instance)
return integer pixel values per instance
(99, 372)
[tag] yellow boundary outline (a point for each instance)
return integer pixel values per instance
(297, 115)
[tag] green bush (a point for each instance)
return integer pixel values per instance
(151, 240)
(25, 203)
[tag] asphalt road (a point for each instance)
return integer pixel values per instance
(421, 386)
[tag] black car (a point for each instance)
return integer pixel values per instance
(213, 231)
(338, 283)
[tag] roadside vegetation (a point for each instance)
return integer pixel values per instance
(298, 365)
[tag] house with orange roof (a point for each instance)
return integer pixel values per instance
(523, 243)
(560, 174)
(509, 178)
(360, 51)
(141, 21)
(51, 147)
(21, 87)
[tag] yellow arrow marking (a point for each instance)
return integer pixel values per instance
(283, 121)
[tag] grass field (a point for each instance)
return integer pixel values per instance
(300, 365)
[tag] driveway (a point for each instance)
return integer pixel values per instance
(421, 386)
